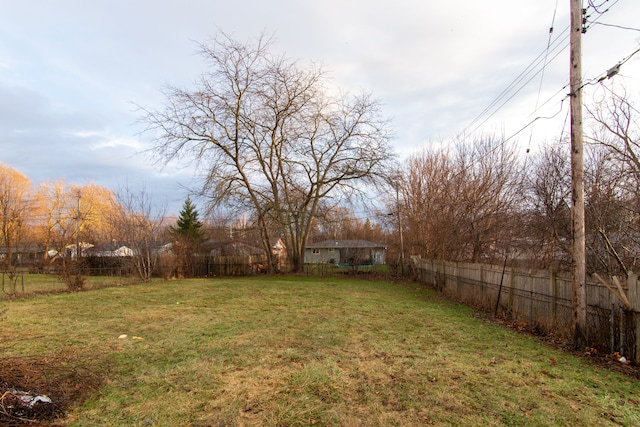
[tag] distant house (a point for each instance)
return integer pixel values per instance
(70, 251)
(22, 253)
(110, 250)
(345, 252)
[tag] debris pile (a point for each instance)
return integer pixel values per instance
(38, 390)
(19, 407)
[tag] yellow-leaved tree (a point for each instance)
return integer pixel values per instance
(71, 218)
(16, 198)
(56, 225)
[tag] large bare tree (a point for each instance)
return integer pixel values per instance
(136, 221)
(613, 202)
(459, 201)
(547, 214)
(429, 205)
(270, 137)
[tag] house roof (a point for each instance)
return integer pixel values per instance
(110, 250)
(352, 244)
(108, 246)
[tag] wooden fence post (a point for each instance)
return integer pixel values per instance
(512, 282)
(634, 301)
(457, 278)
(482, 285)
(554, 295)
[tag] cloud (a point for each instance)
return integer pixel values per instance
(100, 140)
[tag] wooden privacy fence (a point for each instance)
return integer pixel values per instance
(543, 300)
(231, 266)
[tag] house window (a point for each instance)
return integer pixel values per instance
(331, 249)
(316, 251)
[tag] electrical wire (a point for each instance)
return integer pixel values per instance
(623, 61)
(598, 6)
(599, 80)
(600, 14)
(553, 97)
(592, 81)
(564, 126)
(616, 26)
(557, 43)
(611, 72)
(553, 46)
(511, 96)
(535, 110)
(533, 121)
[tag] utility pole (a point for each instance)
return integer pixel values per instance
(396, 185)
(579, 299)
(400, 229)
(394, 181)
(78, 229)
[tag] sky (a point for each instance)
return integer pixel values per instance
(73, 72)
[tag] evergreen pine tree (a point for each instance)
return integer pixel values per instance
(188, 224)
(189, 236)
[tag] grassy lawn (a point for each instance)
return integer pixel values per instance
(27, 283)
(294, 351)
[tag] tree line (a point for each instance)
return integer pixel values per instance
(272, 142)
(482, 201)
(270, 138)
(54, 222)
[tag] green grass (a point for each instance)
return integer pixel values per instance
(28, 283)
(294, 351)
(368, 271)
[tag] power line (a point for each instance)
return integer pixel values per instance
(505, 101)
(615, 26)
(598, 6)
(610, 73)
(535, 110)
(600, 13)
(560, 42)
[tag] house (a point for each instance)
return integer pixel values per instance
(345, 252)
(71, 251)
(22, 253)
(113, 249)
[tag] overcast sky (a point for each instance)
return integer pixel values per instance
(72, 71)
